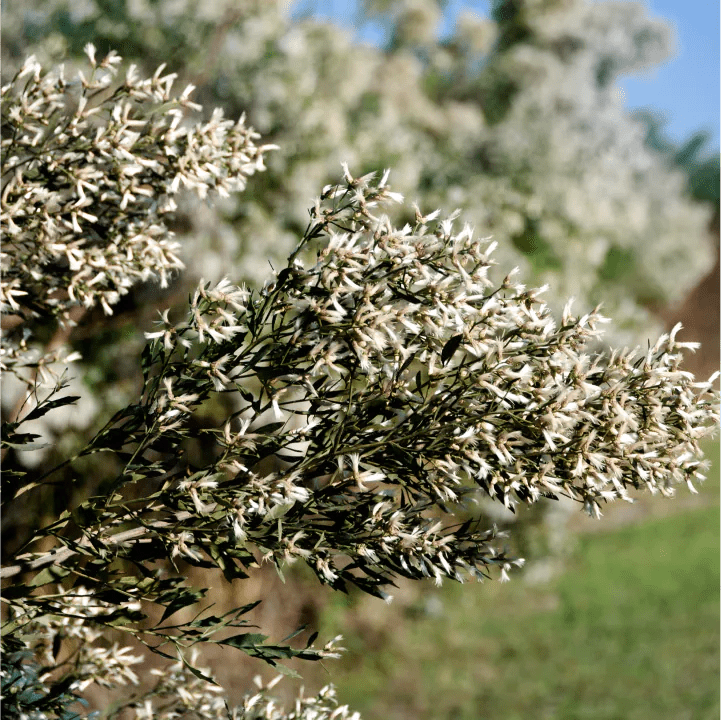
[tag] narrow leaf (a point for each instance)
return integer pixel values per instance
(450, 348)
(49, 405)
(244, 640)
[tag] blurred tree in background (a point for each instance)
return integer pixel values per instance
(515, 118)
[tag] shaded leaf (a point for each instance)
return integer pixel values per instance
(197, 672)
(49, 405)
(450, 348)
(245, 640)
(48, 575)
(180, 598)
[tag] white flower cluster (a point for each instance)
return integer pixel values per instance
(91, 170)
(181, 694)
(370, 395)
(547, 415)
(394, 376)
(68, 648)
(70, 641)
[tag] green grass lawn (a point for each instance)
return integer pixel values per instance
(629, 631)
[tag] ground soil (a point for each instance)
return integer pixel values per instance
(699, 315)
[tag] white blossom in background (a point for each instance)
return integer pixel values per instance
(562, 180)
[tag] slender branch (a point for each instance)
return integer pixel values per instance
(60, 555)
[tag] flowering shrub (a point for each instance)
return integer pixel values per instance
(377, 386)
(516, 118)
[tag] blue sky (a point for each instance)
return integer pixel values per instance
(685, 89)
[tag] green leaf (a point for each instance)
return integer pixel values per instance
(226, 563)
(413, 299)
(85, 515)
(9, 627)
(123, 617)
(13, 592)
(197, 672)
(57, 644)
(213, 620)
(146, 360)
(285, 670)
(268, 428)
(48, 575)
(247, 396)
(112, 439)
(179, 599)
(244, 640)
(157, 651)
(278, 511)
(49, 405)
(20, 439)
(411, 357)
(295, 633)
